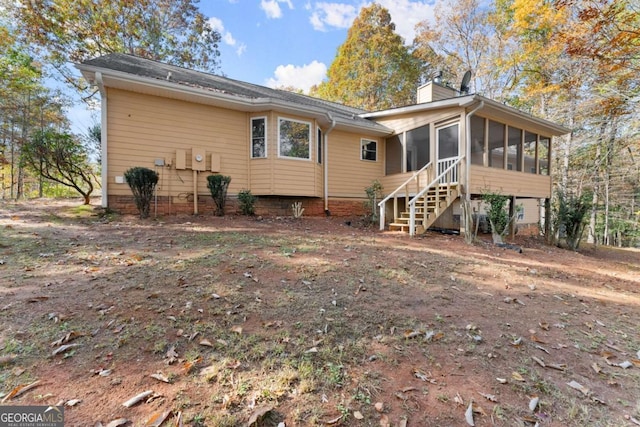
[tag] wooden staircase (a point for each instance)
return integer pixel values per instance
(427, 208)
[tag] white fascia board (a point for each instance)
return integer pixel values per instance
(212, 97)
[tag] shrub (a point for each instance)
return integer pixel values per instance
(218, 185)
(247, 202)
(374, 194)
(496, 213)
(142, 182)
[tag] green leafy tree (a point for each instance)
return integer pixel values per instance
(61, 158)
(570, 214)
(174, 31)
(373, 69)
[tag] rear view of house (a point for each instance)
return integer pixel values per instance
(286, 147)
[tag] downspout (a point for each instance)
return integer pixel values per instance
(326, 162)
(103, 138)
(467, 180)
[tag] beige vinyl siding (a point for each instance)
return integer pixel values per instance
(143, 128)
(512, 183)
(284, 176)
(406, 122)
(348, 175)
(391, 182)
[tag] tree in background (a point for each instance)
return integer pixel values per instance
(69, 31)
(61, 158)
(373, 69)
(26, 105)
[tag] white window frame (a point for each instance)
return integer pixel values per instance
(266, 142)
(310, 141)
(366, 141)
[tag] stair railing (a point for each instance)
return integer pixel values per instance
(404, 186)
(447, 174)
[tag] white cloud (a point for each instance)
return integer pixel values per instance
(302, 77)
(272, 7)
(406, 14)
(337, 15)
(227, 37)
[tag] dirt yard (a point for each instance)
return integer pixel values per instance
(280, 322)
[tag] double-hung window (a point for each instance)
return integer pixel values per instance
(258, 137)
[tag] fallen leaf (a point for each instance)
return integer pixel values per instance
(384, 421)
(379, 406)
(237, 329)
(596, 367)
(538, 361)
(557, 366)
(458, 399)
(489, 397)
(358, 415)
(533, 403)
(516, 376)
(577, 386)
(137, 398)
(160, 377)
(72, 402)
(517, 342)
(535, 338)
(118, 423)
(206, 343)
(625, 365)
(333, 420)
(501, 380)
(156, 419)
(70, 336)
(64, 348)
(411, 333)
(468, 415)
(171, 355)
(544, 326)
(312, 350)
(21, 389)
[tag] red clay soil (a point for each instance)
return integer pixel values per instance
(317, 321)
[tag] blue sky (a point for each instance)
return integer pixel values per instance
(279, 43)
(292, 43)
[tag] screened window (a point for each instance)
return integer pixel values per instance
(496, 145)
(417, 148)
(448, 141)
(529, 150)
(393, 156)
(477, 140)
(368, 150)
(258, 137)
(514, 149)
(543, 155)
(294, 138)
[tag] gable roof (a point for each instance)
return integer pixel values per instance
(137, 74)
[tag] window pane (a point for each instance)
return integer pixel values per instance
(514, 149)
(530, 152)
(448, 142)
(294, 139)
(369, 150)
(543, 155)
(496, 145)
(258, 138)
(477, 140)
(418, 148)
(393, 155)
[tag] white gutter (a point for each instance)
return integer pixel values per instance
(103, 139)
(467, 180)
(254, 104)
(326, 162)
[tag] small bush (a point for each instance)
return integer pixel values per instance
(374, 195)
(218, 185)
(247, 202)
(497, 213)
(142, 182)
